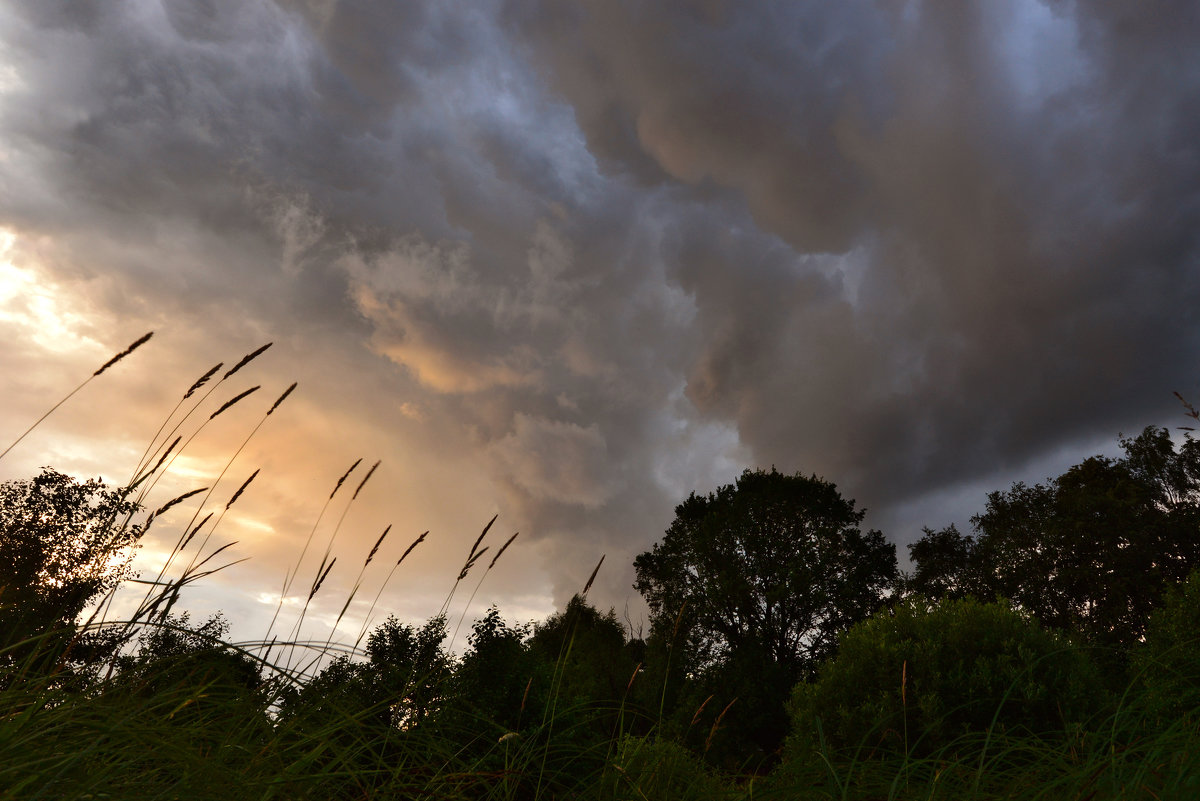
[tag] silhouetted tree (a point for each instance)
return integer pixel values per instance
(943, 565)
(588, 649)
(63, 543)
(401, 684)
(493, 681)
(410, 668)
(749, 588)
(193, 678)
(1092, 550)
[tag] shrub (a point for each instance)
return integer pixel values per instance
(1168, 665)
(918, 677)
(649, 768)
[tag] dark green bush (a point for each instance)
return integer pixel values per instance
(649, 768)
(918, 677)
(1168, 665)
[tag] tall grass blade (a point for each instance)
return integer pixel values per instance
(137, 344)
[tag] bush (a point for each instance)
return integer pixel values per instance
(917, 678)
(649, 768)
(1168, 665)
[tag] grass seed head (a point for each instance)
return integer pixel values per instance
(137, 344)
(366, 478)
(192, 533)
(716, 725)
(233, 400)
(592, 577)
(241, 489)
(378, 542)
(482, 534)
(471, 563)
(345, 475)
(321, 579)
(286, 392)
(202, 380)
(409, 549)
(249, 357)
(500, 552)
(177, 500)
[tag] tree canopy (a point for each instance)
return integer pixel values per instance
(773, 562)
(1092, 550)
(748, 591)
(62, 543)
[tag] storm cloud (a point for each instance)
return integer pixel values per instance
(599, 255)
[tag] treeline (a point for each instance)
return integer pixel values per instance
(785, 653)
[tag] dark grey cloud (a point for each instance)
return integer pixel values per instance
(611, 252)
(1011, 193)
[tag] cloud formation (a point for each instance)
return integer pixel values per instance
(601, 254)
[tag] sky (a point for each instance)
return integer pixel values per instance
(568, 262)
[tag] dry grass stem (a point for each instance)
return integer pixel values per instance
(290, 576)
(345, 475)
(379, 593)
(525, 696)
(137, 344)
(202, 380)
(249, 357)
(503, 548)
(716, 725)
(366, 478)
(378, 542)
(241, 489)
(70, 394)
(234, 400)
(281, 399)
(636, 670)
(592, 577)
(213, 555)
(197, 384)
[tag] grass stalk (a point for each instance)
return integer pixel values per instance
(118, 357)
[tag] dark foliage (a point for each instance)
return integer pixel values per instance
(1090, 551)
(400, 686)
(227, 690)
(588, 648)
(750, 587)
(493, 684)
(63, 544)
(1167, 665)
(914, 679)
(942, 565)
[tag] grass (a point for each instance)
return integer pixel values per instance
(178, 711)
(1121, 757)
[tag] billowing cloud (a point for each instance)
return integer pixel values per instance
(1007, 212)
(569, 261)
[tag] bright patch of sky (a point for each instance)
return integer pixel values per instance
(1041, 50)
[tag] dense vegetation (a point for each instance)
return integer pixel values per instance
(1051, 653)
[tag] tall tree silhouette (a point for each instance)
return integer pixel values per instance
(1092, 550)
(63, 543)
(754, 582)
